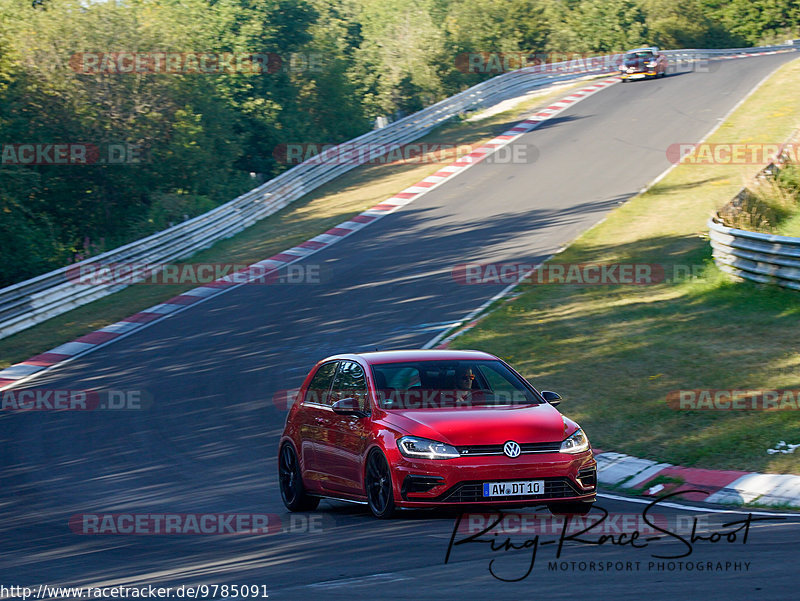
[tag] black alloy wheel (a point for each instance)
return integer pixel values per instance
(378, 484)
(291, 482)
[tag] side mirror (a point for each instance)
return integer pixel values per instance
(348, 406)
(551, 397)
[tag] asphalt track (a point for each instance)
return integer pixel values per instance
(207, 443)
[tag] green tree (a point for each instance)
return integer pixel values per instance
(757, 20)
(597, 26)
(402, 52)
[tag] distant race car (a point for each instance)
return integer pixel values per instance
(642, 63)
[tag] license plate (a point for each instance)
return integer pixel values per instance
(513, 489)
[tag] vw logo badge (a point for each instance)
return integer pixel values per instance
(511, 449)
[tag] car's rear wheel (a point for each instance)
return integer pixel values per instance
(573, 508)
(290, 478)
(378, 485)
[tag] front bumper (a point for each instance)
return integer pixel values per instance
(459, 481)
(638, 75)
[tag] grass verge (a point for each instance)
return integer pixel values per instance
(770, 206)
(789, 183)
(616, 352)
(320, 210)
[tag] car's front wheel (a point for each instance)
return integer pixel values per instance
(378, 485)
(290, 478)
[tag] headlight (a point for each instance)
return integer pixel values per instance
(651, 64)
(577, 443)
(422, 448)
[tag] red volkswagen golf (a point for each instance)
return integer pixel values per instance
(431, 428)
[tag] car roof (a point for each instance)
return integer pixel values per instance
(376, 357)
(643, 49)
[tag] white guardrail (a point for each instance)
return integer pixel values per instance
(763, 258)
(33, 301)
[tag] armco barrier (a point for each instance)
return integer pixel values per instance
(762, 258)
(33, 301)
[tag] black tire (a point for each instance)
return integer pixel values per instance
(574, 508)
(378, 486)
(290, 479)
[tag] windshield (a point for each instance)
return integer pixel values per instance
(441, 384)
(631, 56)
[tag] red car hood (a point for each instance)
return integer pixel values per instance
(482, 425)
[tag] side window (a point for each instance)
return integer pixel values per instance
(321, 384)
(350, 381)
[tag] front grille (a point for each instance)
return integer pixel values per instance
(472, 492)
(497, 449)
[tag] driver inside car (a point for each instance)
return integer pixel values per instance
(465, 379)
